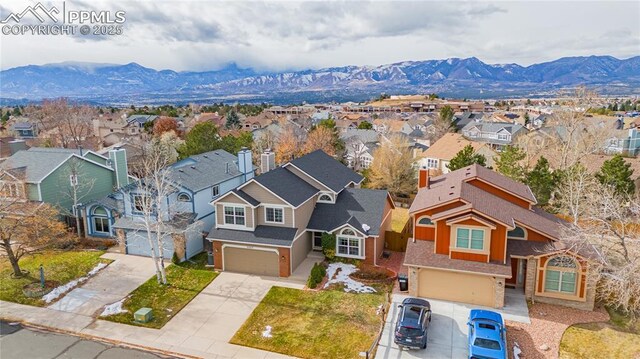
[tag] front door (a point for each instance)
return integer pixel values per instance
(522, 272)
(317, 240)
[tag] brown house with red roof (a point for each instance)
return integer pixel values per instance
(477, 232)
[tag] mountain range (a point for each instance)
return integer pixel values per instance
(471, 78)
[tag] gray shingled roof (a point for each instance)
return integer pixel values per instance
(287, 186)
(366, 136)
(327, 170)
(38, 162)
(355, 206)
(279, 236)
(246, 197)
(205, 170)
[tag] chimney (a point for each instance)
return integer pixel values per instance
(423, 178)
(267, 161)
(244, 163)
(118, 159)
(17, 145)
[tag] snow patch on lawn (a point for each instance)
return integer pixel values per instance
(343, 270)
(58, 291)
(114, 308)
(267, 332)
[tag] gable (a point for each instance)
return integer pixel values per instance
(497, 191)
(261, 194)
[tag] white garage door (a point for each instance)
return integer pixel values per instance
(457, 287)
(138, 244)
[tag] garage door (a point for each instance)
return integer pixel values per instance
(251, 261)
(138, 244)
(457, 287)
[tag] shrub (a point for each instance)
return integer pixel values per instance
(329, 245)
(175, 259)
(317, 274)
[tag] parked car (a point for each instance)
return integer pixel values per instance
(487, 335)
(412, 324)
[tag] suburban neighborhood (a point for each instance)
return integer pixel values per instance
(319, 180)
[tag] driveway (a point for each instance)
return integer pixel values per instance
(111, 284)
(447, 336)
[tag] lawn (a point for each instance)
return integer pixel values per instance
(616, 339)
(400, 218)
(310, 324)
(186, 280)
(59, 266)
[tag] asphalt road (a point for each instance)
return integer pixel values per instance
(21, 343)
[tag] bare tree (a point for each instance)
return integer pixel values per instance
(67, 125)
(392, 167)
(78, 186)
(571, 194)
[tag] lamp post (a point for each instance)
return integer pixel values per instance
(41, 276)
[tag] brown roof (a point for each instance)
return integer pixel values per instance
(420, 253)
(518, 247)
(448, 145)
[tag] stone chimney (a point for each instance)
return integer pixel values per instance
(244, 163)
(423, 178)
(267, 161)
(17, 145)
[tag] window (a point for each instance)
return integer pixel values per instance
(517, 233)
(11, 189)
(234, 215)
(274, 215)
(503, 137)
(137, 203)
(215, 191)
(349, 244)
(365, 161)
(470, 238)
(561, 275)
(73, 180)
(432, 163)
(425, 221)
(100, 220)
(184, 197)
(325, 198)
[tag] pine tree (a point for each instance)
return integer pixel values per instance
(466, 157)
(542, 181)
(365, 125)
(509, 163)
(233, 121)
(617, 173)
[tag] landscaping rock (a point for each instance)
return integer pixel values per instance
(544, 347)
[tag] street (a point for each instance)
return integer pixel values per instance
(19, 342)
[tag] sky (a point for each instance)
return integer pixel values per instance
(288, 35)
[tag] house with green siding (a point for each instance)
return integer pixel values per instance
(64, 177)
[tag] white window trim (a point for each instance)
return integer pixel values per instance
(213, 190)
(577, 270)
(526, 234)
(360, 240)
(183, 194)
(486, 245)
(323, 201)
(233, 225)
(273, 207)
(424, 225)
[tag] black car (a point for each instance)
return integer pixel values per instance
(413, 322)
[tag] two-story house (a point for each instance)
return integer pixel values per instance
(195, 180)
(438, 156)
(66, 177)
(359, 146)
(270, 224)
(496, 134)
(24, 130)
(624, 142)
(476, 232)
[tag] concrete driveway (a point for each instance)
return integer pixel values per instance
(447, 337)
(111, 284)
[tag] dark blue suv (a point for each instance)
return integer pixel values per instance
(413, 322)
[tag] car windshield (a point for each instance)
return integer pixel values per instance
(412, 312)
(487, 344)
(410, 332)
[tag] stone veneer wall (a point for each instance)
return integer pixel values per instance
(499, 299)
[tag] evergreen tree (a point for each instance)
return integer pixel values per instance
(5, 117)
(446, 114)
(466, 157)
(365, 125)
(617, 173)
(338, 143)
(542, 181)
(233, 121)
(527, 119)
(203, 137)
(16, 111)
(509, 163)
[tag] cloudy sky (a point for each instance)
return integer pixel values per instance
(283, 35)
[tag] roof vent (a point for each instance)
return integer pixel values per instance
(450, 193)
(193, 167)
(180, 170)
(205, 156)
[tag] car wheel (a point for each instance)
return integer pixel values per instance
(424, 346)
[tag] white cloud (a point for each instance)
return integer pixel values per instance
(200, 35)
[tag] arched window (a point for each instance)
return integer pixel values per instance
(425, 221)
(349, 244)
(325, 198)
(184, 197)
(517, 233)
(561, 275)
(348, 232)
(100, 221)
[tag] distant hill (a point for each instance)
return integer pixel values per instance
(470, 77)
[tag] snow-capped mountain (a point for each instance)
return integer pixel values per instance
(110, 83)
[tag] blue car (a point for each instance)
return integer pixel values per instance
(413, 323)
(487, 335)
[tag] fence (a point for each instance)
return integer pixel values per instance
(395, 241)
(383, 315)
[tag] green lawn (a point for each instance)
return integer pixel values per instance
(59, 266)
(400, 218)
(186, 280)
(309, 324)
(617, 339)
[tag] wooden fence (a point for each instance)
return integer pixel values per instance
(395, 241)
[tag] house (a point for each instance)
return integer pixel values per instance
(461, 119)
(24, 130)
(437, 156)
(359, 147)
(496, 134)
(196, 181)
(624, 142)
(52, 175)
(476, 232)
(270, 224)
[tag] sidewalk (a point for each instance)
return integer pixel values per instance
(201, 329)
